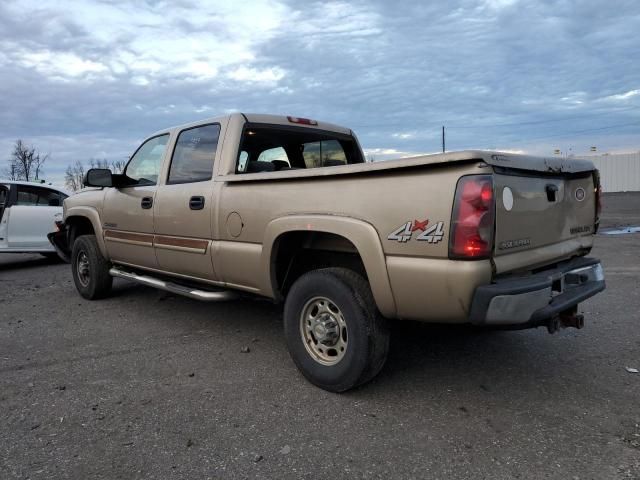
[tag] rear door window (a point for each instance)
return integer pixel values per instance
(39, 197)
(194, 154)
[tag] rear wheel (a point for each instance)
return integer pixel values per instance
(90, 270)
(335, 335)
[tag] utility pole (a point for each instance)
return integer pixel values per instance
(443, 144)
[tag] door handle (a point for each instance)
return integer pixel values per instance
(146, 203)
(196, 203)
(551, 190)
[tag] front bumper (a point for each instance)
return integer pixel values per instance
(60, 241)
(535, 299)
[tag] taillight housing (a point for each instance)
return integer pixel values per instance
(472, 219)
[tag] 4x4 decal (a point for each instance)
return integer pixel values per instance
(430, 234)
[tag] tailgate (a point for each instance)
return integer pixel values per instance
(551, 216)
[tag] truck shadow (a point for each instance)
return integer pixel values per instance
(422, 357)
(443, 357)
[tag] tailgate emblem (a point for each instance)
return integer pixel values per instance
(580, 194)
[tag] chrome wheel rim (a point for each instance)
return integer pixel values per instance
(324, 331)
(82, 268)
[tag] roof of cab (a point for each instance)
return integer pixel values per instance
(258, 118)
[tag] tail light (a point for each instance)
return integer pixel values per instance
(473, 218)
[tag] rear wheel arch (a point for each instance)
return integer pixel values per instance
(332, 242)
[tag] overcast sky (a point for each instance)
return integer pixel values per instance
(83, 79)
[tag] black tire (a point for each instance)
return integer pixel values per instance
(96, 282)
(367, 338)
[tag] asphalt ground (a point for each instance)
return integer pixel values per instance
(150, 385)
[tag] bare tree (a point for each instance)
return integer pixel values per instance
(117, 166)
(98, 163)
(74, 176)
(11, 171)
(25, 163)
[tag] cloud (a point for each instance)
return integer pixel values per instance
(499, 74)
(624, 96)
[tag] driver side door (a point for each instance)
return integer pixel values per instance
(128, 210)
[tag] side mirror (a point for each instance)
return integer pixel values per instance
(98, 177)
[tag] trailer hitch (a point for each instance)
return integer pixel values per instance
(569, 318)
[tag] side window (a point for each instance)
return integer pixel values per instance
(3, 196)
(272, 154)
(325, 153)
(194, 154)
(144, 166)
(39, 197)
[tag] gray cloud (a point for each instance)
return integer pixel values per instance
(93, 80)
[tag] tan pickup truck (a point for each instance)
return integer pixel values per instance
(287, 208)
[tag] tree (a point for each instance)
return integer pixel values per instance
(98, 163)
(117, 166)
(74, 175)
(25, 163)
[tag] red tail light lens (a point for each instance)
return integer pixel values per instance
(473, 218)
(596, 176)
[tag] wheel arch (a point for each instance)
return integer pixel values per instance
(82, 221)
(343, 231)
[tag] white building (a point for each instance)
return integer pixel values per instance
(618, 172)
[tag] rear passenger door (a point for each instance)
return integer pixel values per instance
(184, 205)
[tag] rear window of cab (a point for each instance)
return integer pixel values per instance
(275, 148)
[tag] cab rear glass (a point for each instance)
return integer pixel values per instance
(267, 148)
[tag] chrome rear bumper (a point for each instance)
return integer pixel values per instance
(534, 299)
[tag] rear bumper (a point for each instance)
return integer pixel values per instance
(535, 299)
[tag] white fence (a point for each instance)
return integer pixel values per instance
(619, 172)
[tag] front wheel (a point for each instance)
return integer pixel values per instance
(335, 335)
(90, 270)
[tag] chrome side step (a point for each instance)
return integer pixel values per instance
(196, 294)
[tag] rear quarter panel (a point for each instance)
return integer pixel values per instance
(386, 200)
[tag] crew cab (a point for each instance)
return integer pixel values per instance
(27, 214)
(287, 208)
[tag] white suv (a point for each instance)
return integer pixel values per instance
(27, 214)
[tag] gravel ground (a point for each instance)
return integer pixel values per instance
(149, 385)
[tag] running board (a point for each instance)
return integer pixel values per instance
(205, 295)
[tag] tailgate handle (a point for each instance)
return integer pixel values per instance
(551, 190)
